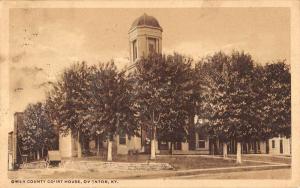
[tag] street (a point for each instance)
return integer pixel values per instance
(257, 174)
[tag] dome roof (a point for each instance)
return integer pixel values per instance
(146, 21)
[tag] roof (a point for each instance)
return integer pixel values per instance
(146, 21)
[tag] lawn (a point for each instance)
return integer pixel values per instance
(266, 158)
(180, 162)
(198, 162)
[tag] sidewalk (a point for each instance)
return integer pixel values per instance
(93, 171)
(260, 158)
(63, 173)
(180, 173)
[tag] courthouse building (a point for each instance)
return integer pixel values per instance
(145, 36)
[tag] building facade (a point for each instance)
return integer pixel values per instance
(279, 146)
(145, 37)
(14, 152)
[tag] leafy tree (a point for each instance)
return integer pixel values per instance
(241, 95)
(213, 73)
(67, 102)
(37, 134)
(162, 94)
(92, 101)
(227, 96)
(272, 107)
(110, 104)
(278, 99)
(243, 101)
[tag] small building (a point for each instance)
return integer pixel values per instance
(14, 155)
(11, 150)
(279, 146)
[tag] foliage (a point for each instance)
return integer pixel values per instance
(37, 132)
(110, 102)
(66, 102)
(242, 100)
(163, 89)
(93, 100)
(275, 100)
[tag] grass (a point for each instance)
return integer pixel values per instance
(185, 162)
(275, 159)
(180, 162)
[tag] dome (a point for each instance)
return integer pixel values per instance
(145, 21)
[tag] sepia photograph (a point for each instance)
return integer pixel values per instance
(97, 96)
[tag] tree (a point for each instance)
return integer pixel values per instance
(243, 101)
(178, 100)
(278, 98)
(92, 101)
(110, 104)
(241, 95)
(213, 75)
(37, 134)
(162, 94)
(67, 103)
(227, 96)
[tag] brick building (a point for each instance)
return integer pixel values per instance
(14, 155)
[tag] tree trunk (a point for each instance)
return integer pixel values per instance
(109, 149)
(153, 148)
(98, 145)
(239, 153)
(43, 152)
(171, 148)
(217, 147)
(225, 150)
(233, 146)
(38, 154)
(79, 153)
(30, 155)
(212, 148)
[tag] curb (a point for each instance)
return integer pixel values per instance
(163, 175)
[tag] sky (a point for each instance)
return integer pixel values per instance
(43, 42)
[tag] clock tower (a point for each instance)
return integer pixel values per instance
(145, 37)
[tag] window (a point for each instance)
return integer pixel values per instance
(201, 140)
(122, 138)
(152, 45)
(134, 50)
(273, 143)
